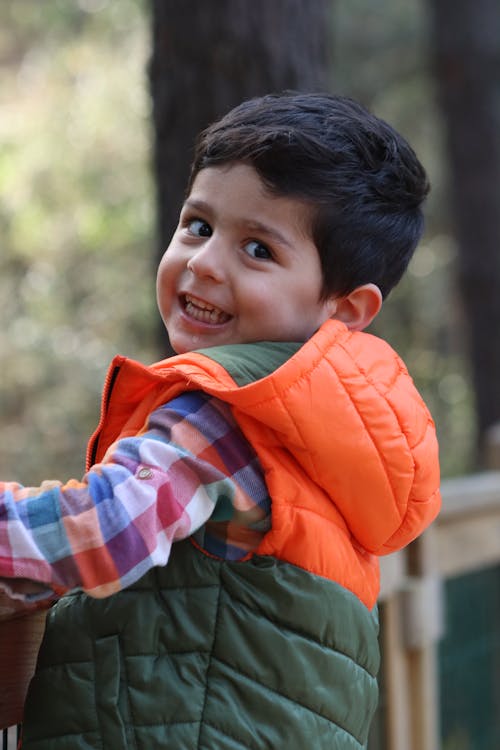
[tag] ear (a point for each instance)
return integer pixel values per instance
(358, 308)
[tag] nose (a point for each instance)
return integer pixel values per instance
(208, 261)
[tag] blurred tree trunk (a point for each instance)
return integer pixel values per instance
(467, 66)
(209, 56)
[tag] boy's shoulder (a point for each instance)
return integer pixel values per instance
(344, 350)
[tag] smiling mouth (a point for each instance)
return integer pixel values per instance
(203, 312)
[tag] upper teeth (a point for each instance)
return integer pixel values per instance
(199, 303)
(205, 312)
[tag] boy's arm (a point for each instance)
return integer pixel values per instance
(104, 532)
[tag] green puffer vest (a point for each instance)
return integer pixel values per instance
(211, 655)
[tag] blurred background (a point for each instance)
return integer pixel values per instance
(83, 167)
(99, 104)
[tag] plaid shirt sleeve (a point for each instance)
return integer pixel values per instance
(190, 464)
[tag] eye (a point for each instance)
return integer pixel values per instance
(199, 228)
(257, 250)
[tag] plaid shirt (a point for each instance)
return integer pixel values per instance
(190, 472)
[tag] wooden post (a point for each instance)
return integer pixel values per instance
(397, 678)
(422, 609)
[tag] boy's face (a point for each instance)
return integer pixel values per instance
(241, 266)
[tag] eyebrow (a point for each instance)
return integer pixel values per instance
(251, 224)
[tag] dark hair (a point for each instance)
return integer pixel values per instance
(363, 181)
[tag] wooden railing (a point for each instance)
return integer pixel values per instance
(465, 538)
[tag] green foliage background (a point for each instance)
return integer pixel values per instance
(76, 276)
(77, 217)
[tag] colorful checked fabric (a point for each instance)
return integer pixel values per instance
(191, 465)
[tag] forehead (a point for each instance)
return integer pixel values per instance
(237, 190)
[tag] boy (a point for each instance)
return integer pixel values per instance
(282, 456)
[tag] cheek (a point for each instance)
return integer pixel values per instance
(161, 269)
(164, 285)
(168, 271)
